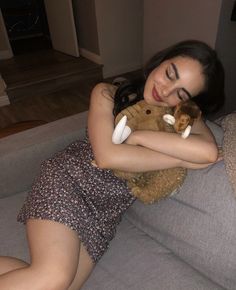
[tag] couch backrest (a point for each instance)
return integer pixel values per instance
(21, 154)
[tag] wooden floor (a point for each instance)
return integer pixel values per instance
(47, 86)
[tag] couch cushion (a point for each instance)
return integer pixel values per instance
(216, 130)
(136, 262)
(13, 238)
(198, 224)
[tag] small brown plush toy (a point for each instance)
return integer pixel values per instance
(154, 185)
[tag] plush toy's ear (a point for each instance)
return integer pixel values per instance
(185, 113)
(189, 108)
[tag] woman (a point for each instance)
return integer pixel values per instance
(73, 209)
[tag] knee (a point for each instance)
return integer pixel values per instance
(58, 281)
(53, 279)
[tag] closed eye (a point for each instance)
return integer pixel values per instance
(183, 95)
(170, 73)
(173, 74)
(167, 74)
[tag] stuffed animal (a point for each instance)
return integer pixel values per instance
(154, 185)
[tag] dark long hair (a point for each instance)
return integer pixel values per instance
(209, 101)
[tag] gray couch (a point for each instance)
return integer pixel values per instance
(183, 242)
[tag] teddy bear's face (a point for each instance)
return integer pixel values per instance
(185, 113)
(154, 185)
(142, 116)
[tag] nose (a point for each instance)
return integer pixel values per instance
(166, 90)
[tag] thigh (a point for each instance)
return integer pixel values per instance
(84, 269)
(54, 247)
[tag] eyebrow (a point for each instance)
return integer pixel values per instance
(177, 76)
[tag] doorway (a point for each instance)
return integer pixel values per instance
(26, 25)
(39, 24)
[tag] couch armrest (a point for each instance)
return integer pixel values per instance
(21, 154)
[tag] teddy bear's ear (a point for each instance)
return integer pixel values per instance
(193, 110)
(185, 113)
(190, 108)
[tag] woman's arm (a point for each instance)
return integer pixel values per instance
(199, 147)
(124, 156)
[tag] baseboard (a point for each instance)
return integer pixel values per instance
(4, 100)
(5, 54)
(111, 72)
(90, 55)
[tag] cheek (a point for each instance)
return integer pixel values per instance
(150, 82)
(148, 86)
(157, 75)
(173, 101)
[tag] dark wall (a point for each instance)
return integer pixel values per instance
(226, 48)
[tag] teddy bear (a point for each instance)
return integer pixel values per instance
(153, 186)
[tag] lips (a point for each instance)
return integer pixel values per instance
(155, 95)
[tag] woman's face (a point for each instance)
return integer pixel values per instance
(174, 80)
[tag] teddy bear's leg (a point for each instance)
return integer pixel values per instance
(137, 186)
(148, 194)
(154, 186)
(145, 190)
(121, 132)
(143, 195)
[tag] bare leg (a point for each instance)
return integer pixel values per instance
(8, 264)
(54, 252)
(84, 269)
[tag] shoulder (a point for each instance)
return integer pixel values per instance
(102, 96)
(198, 125)
(104, 90)
(200, 128)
